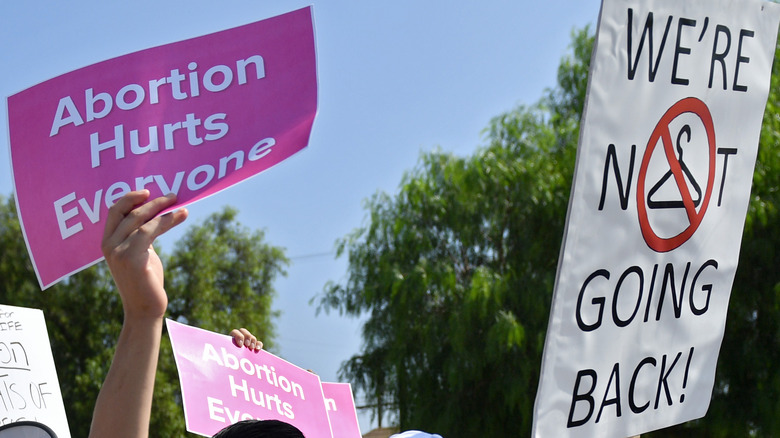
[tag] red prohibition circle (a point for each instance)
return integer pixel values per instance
(661, 132)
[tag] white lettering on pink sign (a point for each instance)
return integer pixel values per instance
(341, 410)
(222, 384)
(191, 118)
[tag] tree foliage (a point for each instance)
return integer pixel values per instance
(218, 277)
(455, 274)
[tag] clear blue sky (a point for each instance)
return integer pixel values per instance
(395, 78)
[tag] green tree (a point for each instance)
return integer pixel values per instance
(218, 277)
(83, 317)
(455, 273)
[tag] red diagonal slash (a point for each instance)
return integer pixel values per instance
(661, 132)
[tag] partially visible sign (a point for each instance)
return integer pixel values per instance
(222, 384)
(192, 118)
(341, 410)
(29, 389)
(668, 144)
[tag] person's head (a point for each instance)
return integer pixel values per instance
(260, 429)
(415, 434)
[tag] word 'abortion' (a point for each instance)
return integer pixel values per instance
(67, 208)
(265, 393)
(96, 106)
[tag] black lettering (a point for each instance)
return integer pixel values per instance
(598, 301)
(676, 303)
(705, 288)
(650, 292)
(741, 59)
(620, 322)
(685, 376)
(586, 397)
(678, 49)
(662, 380)
(647, 31)
(631, 401)
(725, 152)
(615, 375)
(720, 57)
(622, 193)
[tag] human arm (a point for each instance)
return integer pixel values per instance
(123, 406)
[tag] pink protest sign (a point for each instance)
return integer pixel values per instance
(192, 117)
(341, 410)
(222, 384)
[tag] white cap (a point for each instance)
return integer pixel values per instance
(415, 434)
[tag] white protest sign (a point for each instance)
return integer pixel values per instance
(667, 149)
(29, 389)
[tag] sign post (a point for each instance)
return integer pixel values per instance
(668, 143)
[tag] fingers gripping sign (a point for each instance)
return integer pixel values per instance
(131, 227)
(244, 338)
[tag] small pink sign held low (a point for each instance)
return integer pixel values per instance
(341, 410)
(193, 118)
(222, 384)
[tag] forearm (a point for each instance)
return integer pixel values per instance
(123, 407)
